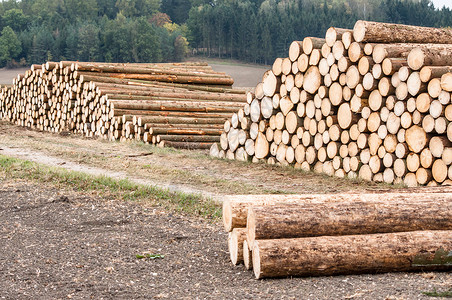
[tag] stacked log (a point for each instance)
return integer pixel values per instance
(373, 102)
(181, 105)
(318, 235)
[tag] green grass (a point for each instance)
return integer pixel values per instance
(435, 293)
(123, 189)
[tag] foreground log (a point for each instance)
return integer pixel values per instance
(247, 256)
(304, 220)
(235, 208)
(332, 255)
(235, 245)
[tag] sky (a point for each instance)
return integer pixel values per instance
(441, 3)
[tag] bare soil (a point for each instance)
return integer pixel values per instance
(59, 244)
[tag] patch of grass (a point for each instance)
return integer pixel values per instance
(435, 293)
(124, 189)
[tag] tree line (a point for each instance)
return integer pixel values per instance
(260, 31)
(35, 31)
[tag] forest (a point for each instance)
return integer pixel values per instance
(34, 31)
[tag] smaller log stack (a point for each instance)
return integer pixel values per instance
(373, 102)
(322, 235)
(181, 105)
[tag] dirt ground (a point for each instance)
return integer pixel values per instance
(59, 244)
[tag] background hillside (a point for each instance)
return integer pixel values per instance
(34, 31)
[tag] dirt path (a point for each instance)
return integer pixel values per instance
(40, 157)
(58, 244)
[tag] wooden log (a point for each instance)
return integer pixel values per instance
(144, 69)
(326, 50)
(186, 145)
(391, 65)
(347, 38)
(345, 116)
(261, 146)
(235, 208)
(382, 51)
(247, 256)
(295, 49)
(437, 56)
(335, 94)
(426, 158)
(311, 43)
(437, 145)
(235, 245)
(423, 176)
(365, 64)
(355, 51)
(427, 73)
(334, 34)
(434, 87)
(266, 108)
(338, 50)
(312, 80)
(296, 220)
(186, 79)
(366, 31)
(189, 138)
(178, 120)
(277, 66)
(446, 82)
(314, 58)
(271, 83)
(303, 62)
(331, 255)
(416, 138)
(183, 131)
(439, 170)
(172, 106)
(259, 91)
(353, 77)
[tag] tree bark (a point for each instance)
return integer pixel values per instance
(374, 32)
(353, 254)
(304, 220)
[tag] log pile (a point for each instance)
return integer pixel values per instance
(322, 235)
(373, 102)
(180, 105)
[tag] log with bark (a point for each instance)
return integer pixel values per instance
(352, 254)
(338, 218)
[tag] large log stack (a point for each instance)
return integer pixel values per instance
(373, 102)
(315, 235)
(179, 105)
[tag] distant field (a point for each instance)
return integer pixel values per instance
(245, 75)
(7, 75)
